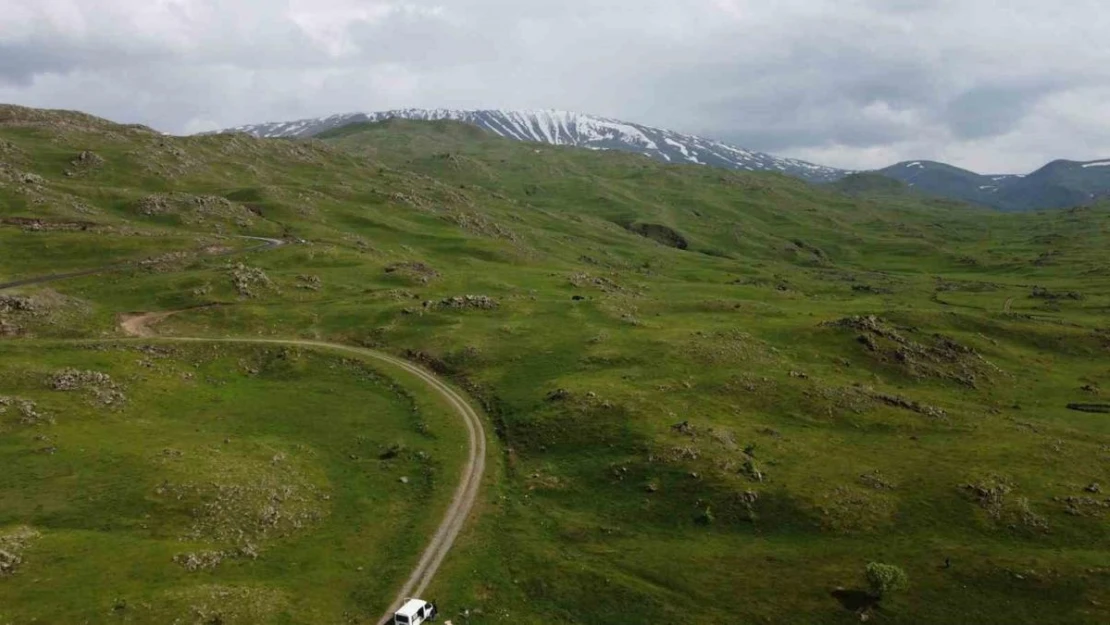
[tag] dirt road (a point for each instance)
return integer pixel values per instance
(466, 494)
(139, 325)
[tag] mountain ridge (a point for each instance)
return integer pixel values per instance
(556, 127)
(1061, 183)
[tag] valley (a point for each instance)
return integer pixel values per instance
(696, 383)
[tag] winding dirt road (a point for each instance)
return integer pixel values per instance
(140, 325)
(466, 494)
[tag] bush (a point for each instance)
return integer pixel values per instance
(885, 578)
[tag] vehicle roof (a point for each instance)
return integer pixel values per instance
(410, 607)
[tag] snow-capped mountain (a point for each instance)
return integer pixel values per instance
(574, 129)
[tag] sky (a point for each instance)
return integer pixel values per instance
(996, 86)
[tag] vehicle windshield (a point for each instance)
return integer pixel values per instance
(401, 618)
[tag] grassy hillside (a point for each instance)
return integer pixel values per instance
(717, 395)
(168, 483)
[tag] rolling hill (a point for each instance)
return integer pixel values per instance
(699, 384)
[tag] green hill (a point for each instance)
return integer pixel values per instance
(717, 396)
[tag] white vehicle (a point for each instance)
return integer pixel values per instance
(414, 612)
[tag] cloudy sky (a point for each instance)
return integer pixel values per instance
(992, 85)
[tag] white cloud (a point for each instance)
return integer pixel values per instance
(987, 84)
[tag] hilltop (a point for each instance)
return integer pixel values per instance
(702, 383)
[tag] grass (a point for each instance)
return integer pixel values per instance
(273, 456)
(595, 509)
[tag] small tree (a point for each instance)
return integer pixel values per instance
(885, 578)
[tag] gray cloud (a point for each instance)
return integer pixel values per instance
(986, 84)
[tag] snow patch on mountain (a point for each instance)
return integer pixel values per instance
(573, 129)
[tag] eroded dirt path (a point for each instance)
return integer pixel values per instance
(140, 324)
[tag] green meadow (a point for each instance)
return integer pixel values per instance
(714, 397)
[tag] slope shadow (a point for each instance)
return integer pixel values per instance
(856, 600)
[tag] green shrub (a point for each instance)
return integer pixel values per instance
(885, 578)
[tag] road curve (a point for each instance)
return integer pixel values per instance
(466, 494)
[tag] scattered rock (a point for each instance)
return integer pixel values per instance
(463, 302)
(247, 280)
(1084, 506)
(414, 271)
(199, 561)
(1094, 488)
(582, 280)
(942, 358)
(876, 480)
(560, 394)
(257, 501)
(481, 224)
(901, 402)
(28, 411)
(100, 385)
(309, 283)
(17, 304)
(195, 209)
(993, 494)
(170, 261)
(403, 480)
(32, 179)
(990, 493)
(85, 162)
(13, 544)
(1040, 292)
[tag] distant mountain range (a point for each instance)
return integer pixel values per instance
(1056, 185)
(1060, 184)
(574, 129)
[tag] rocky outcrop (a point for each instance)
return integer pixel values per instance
(13, 544)
(194, 209)
(935, 356)
(248, 281)
(84, 163)
(661, 234)
(463, 302)
(95, 383)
